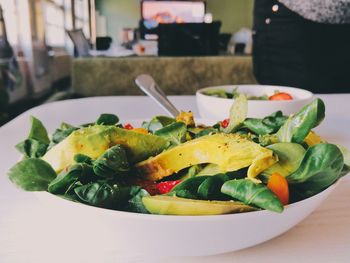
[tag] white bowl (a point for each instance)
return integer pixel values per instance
(211, 107)
(166, 236)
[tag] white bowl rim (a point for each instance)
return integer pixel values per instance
(223, 217)
(307, 94)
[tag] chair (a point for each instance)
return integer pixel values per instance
(81, 43)
(188, 39)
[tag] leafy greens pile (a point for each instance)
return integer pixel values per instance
(305, 163)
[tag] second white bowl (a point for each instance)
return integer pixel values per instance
(211, 107)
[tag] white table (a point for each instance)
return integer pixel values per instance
(26, 231)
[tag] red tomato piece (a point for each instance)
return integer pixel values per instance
(281, 96)
(128, 126)
(279, 186)
(225, 123)
(167, 186)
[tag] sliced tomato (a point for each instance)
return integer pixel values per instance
(167, 186)
(279, 186)
(128, 126)
(281, 96)
(225, 123)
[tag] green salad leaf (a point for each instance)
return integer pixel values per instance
(61, 133)
(209, 189)
(38, 131)
(206, 187)
(112, 163)
(267, 125)
(175, 133)
(321, 166)
(37, 141)
(67, 179)
(238, 113)
(252, 193)
(135, 203)
(216, 93)
(157, 123)
(32, 174)
(189, 187)
(107, 119)
(112, 196)
(290, 155)
(346, 155)
(31, 148)
(298, 126)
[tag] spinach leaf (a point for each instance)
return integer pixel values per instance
(107, 119)
(191, 172)
(197, 132)
(206, 131)
(175, 133)
(189, 187)
(251, 193)
(216, 93)
(32, 174)
(298, 126)
(320, 167)
(201, 187)
(99, 194)
(257, 126)
(267, 125)
(157, 123)
(61, 133)
(32, 148)
(38, 131)
(37, 141)
(66, 180)
(111, 163)
(135, 203)
(210, 188)
(82, 158)
(238, 113)
(275, 120)
(290, 156)
(346, 155)
(103, 194)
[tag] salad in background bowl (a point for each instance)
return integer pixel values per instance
(231, 181)
(215, 102)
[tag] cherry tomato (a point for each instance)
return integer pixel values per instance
(281, 96)
(128, 126)
(225, 123)
(167, 186)
(279, 186)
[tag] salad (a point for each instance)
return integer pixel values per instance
(173, 166)
(235, 94)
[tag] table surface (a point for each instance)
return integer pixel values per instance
(25, 229)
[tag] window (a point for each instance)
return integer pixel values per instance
(59, 17)
(81, 10)
(54, 17)
(10, 17)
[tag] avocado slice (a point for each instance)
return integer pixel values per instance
(230, 152)
(289, 155)
(95, 140)
(171, 205)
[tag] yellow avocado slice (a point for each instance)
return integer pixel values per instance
(229, 151)
(171, 205)
(95, 140)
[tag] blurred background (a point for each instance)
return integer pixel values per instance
(58, 49)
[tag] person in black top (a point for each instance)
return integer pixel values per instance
(304, 45)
